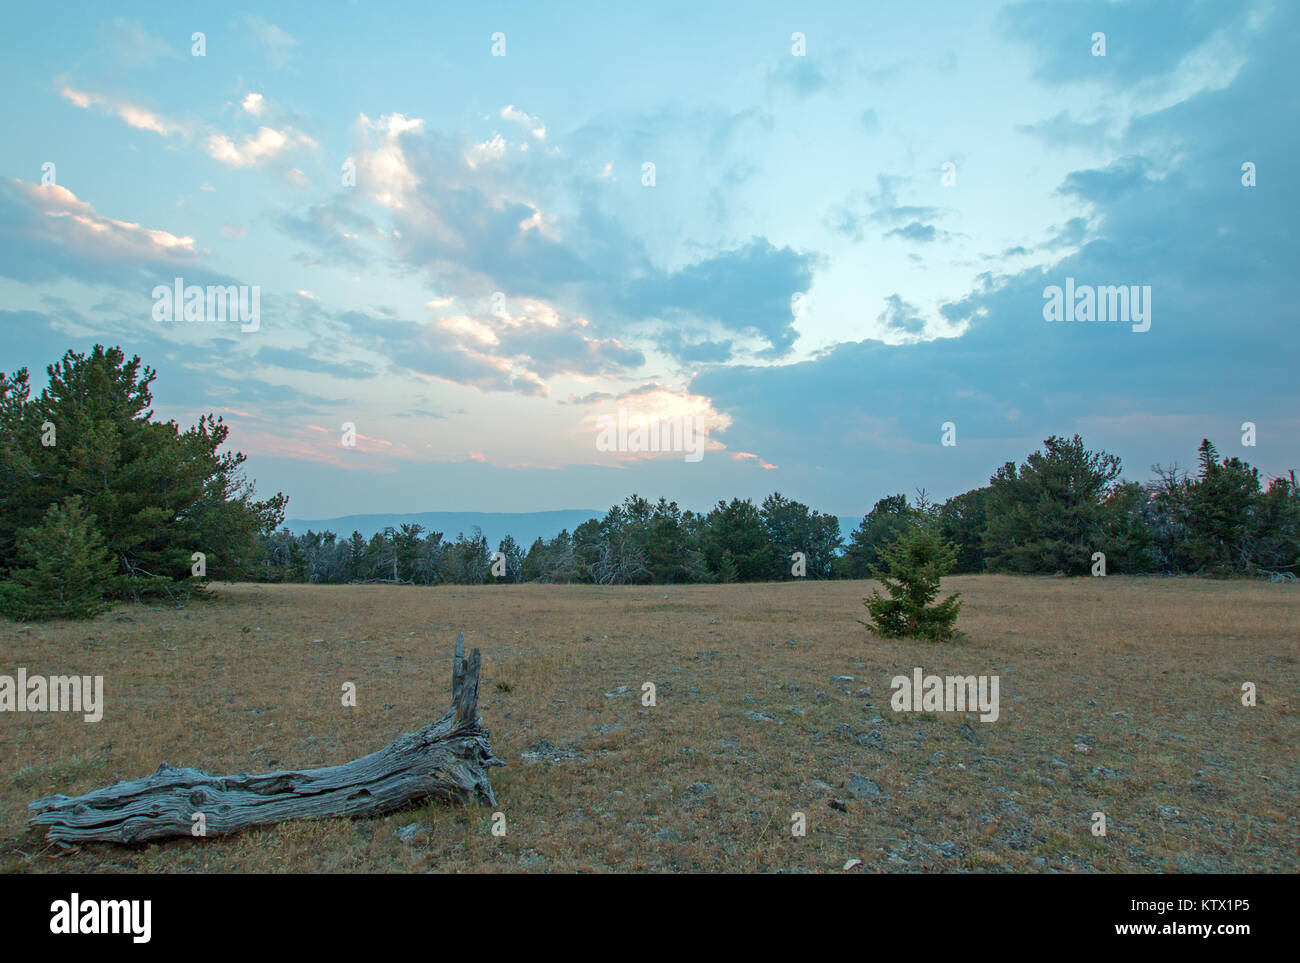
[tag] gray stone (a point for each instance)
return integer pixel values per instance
(697, 790)
(544, 751)
(411, 832)
(860, 787)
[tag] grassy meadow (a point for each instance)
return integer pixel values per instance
(1118, 695)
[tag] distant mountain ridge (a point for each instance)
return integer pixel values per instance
(524, 527)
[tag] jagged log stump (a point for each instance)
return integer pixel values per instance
(446, 760)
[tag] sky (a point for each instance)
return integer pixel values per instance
(820, 235)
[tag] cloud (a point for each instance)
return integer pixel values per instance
(267, 144)
(1143, 40)
(901, 316)
(747, 290)
(48, 232)
(533, 125)
(470, 228)
(134, 115)
(1062, 130)
(306, 361)
(852, 216)
(276, 43)
(749, 456)
(916, 231)
(131, 45)
(334, 230)
(673, 342)
(1218, 260)
(253, 104)
(799, 75)
(515, 352)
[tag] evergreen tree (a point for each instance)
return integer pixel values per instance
(735, 529)
(913, 565)
(514, 559)
(157, 494)
(62, 569)
(1221, 506)
(1047, 516)
(961, 521)
(888, 518)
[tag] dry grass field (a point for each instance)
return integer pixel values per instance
(1117, 695)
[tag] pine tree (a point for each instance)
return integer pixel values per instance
(1047, 516)
(63, 569)
(913, 565)
(157, 493)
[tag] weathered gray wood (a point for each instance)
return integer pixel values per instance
(446, 760)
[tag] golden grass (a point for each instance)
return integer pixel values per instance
(1149, 669)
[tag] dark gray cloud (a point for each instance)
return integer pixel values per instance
(901, 316)
(853, 216)
(800, 75)
(306, 361)
(916, 231)
(747, 290)
(1173, 214)
(333, 229)
(1143, 40)
(1064, 131)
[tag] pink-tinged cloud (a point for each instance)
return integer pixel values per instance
(364, 442)
(744, 455)
(141, 118)
(57, 232)
(266, 145)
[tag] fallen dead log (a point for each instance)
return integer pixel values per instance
(446, 760)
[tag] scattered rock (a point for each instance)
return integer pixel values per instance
(852, 863)
(620, 691)
(761, 716)
(697, 790)
(860, 787)
(544, 751)
(411, 832)
(843, 678)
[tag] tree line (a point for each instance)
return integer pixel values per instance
(100, 501)
(1064, 509)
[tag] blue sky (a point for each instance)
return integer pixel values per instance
(916, 177)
